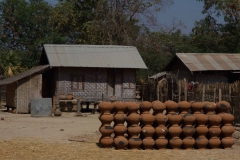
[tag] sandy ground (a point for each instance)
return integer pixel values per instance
(26, 137)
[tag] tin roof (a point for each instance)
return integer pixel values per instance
(23, 75)
(104, 56)
(210, 61)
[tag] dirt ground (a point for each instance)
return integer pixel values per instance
(71, 137)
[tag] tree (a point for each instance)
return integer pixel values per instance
(25, 27)
(10, 64)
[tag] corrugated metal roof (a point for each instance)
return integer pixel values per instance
(210, 61)
(160, 74)
(104, 56)
(23, 74)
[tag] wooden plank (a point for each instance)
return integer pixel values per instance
(214, 95)
(203, 93)
(220, 94)
(185, 89)
(179, 91)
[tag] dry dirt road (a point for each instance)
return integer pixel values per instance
(23, 137)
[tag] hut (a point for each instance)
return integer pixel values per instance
(205, 67)
(91, 73)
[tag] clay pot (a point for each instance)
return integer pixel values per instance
(202, 119)
(196, 108)
(175, 130)
(62, 96)
(227, 142)
(148, 131)
(201, 142)
(188, 119)
(222, 107)
(106, 130)
(161, 143)
(106, 118)
(161, 131)
(134, 130)
(134, 142)
(145, 106)
(184, 107)
(227, 118)
(202, 131)
(120, 129)
(134, 118)
(120, 142)
(214, 131)
(215, 120)
(188, 131)
(120, 118)
(227, 130)
(120, 107)
(174, 119)
(106, 142)
(69, 96)
(171, 106)
(161, 119)
(188, 143)
(133, 107)
(147, 118)
(214, 143)
(148, 143)
(175, 143)
(158, 107)
(105, 107)
(209, 108)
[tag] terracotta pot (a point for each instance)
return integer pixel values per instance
(133, 107)
(134, 142)
(227, 142)
(134, 119)
(188, 143)
(105, 107)
(161, 131)
(147, 118)
(188, 131)
(171, 106)
(202, 131)
(201, 142)
(106, 130)
(174, 119)
(161, 143)
(148, 143)
(227, 118)
(69, 96)
(227, 130)
(202, 119)
(215, 120)
(134, 130)
(184, 107)
(145, 106)
(161, 119)
(188, 119)
(62, 96)
(106, 142)
(120, 107)
(106, 118)
(196, 108)
(120, 129)
(175, 131)
(120, 118)
(209, 108)
(120, 142)
(148, 131)
(158, 107)
(175, 143)
(214, 143)
(214, 131)
(222, 107)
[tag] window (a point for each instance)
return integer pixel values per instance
(77, 82)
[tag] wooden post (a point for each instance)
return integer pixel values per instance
(220, 95)
(230, 91)
(179, 90)
(185, 89)
(203, 93)
(79, 107)
(214, 95)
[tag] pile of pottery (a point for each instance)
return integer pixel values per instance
(185, 125)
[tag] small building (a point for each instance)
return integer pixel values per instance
(205, 67)
(88, 72)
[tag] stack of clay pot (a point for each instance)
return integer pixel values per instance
(169, 125)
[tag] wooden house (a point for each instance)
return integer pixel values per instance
(205, 67)
(88, 72)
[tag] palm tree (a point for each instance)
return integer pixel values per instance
(10, 63)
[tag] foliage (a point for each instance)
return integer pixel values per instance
(10, 63)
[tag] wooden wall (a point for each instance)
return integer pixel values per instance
(11, 94)
(28, 88)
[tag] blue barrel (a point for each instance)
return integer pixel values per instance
(41, 107)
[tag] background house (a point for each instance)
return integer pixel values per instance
(89, 72)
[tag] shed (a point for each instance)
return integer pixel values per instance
(205, 67)
(88, 72)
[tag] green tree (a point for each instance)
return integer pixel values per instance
(10, 64)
